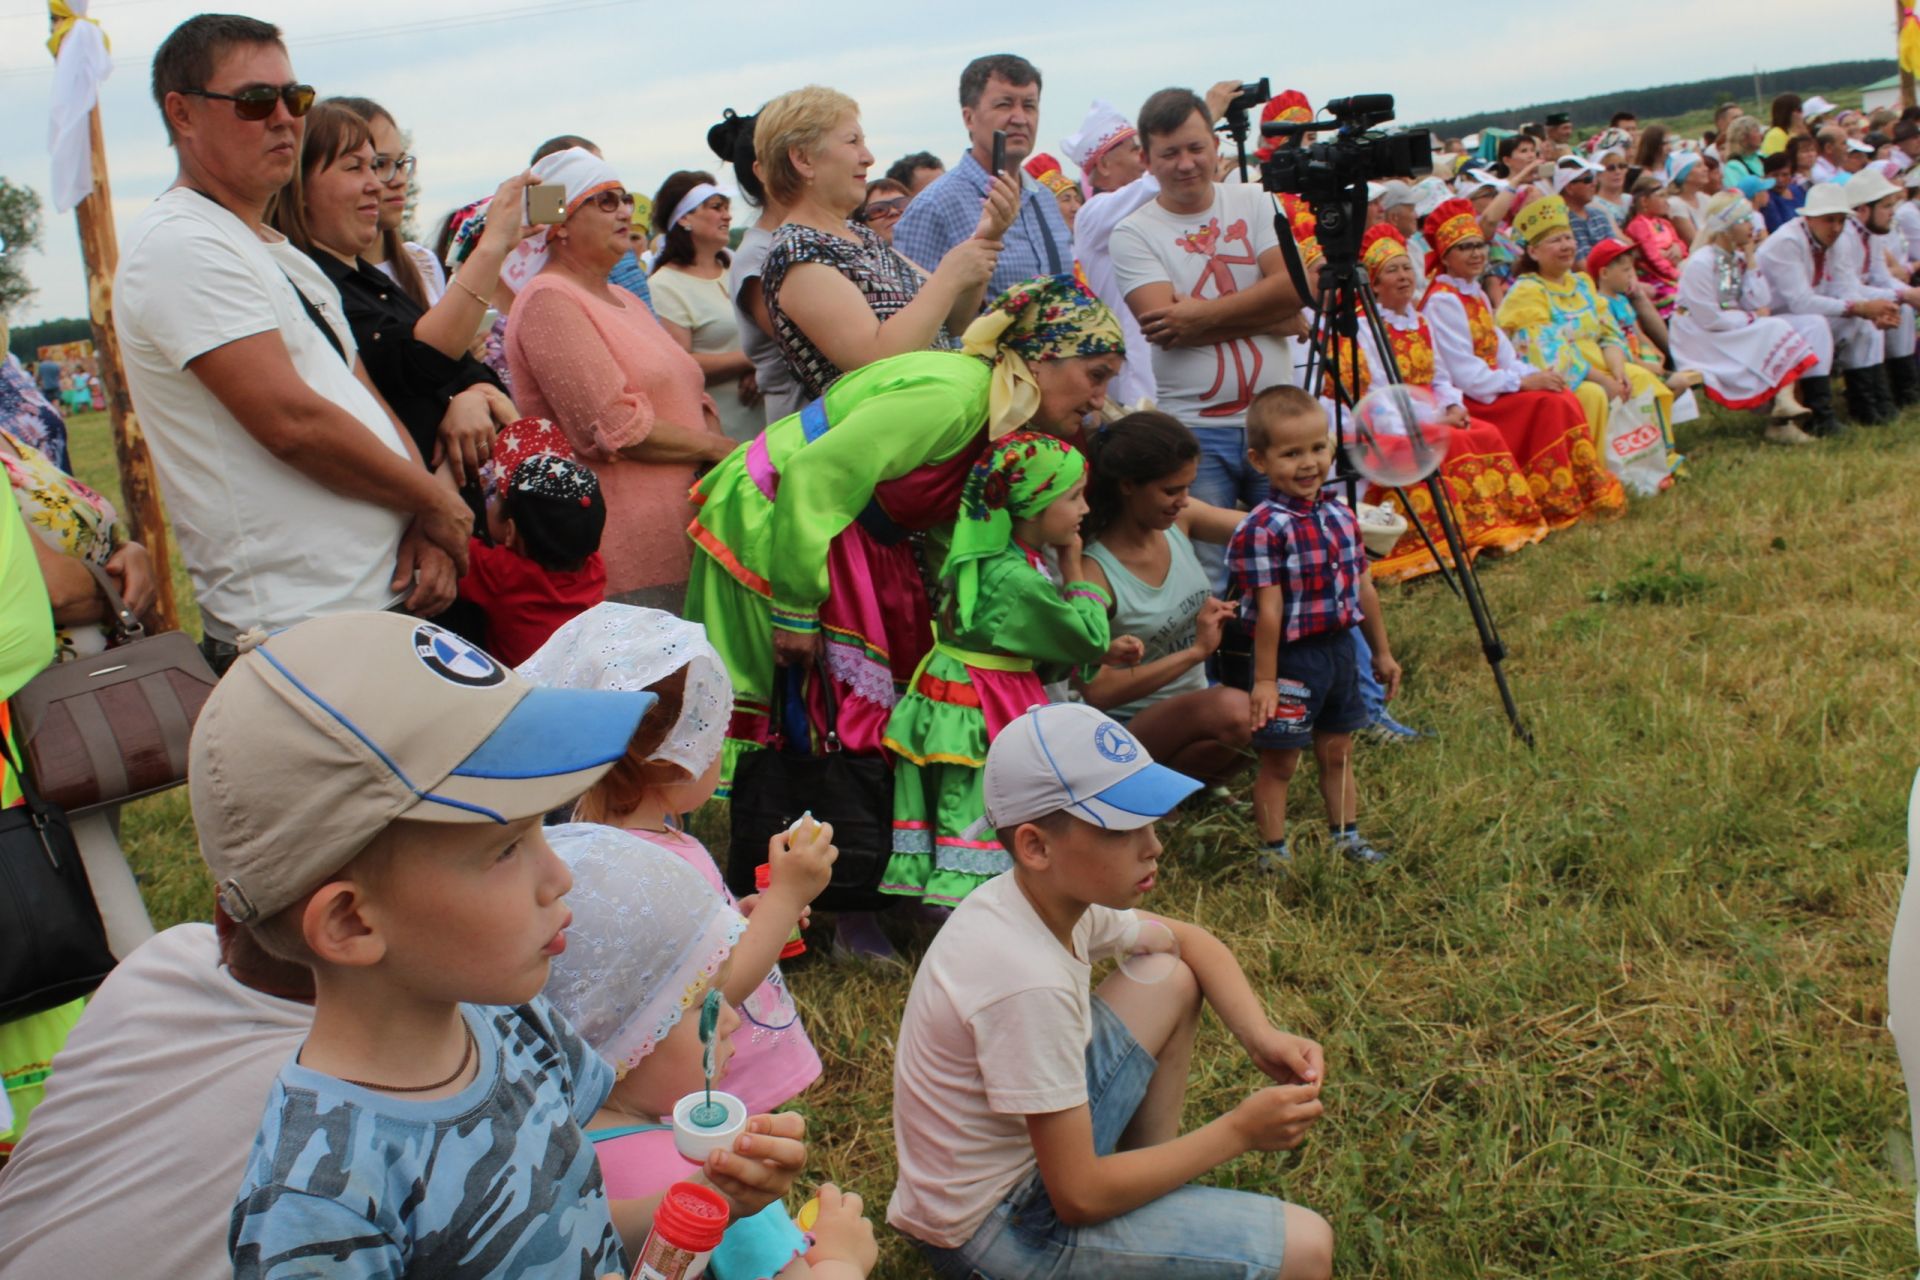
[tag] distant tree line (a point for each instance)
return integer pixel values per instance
(1674, 99)
(26, 340)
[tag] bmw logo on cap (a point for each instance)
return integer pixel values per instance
(452, 658)
(1111, 741)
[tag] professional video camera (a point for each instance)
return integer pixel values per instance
(1332, 176)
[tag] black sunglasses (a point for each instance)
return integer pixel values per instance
(257, 101)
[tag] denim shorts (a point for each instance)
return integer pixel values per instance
(1319, 693)
(1194, 1233)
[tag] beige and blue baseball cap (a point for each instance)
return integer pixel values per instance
(326, 733)
(1068, 757)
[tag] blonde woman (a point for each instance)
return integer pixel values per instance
(839, 296)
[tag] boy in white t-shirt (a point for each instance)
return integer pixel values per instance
(1200, 266)
(1038, 1122)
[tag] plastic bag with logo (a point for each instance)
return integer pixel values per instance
(1636, 445)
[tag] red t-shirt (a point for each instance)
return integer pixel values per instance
(524, 603)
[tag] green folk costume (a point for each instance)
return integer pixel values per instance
(1005, 628)
(885, 453)
(902, 433)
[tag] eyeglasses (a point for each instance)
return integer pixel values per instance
(610, 201)
(390, 168)
(1614, 168)
(257, 101)
(1471, 246)
(889, 208)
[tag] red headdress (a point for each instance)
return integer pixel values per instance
(1289, 106)
(1381, 245)
(1451, 222)
(1046, 171)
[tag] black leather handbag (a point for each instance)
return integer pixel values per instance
(774, 787)
(53, 946)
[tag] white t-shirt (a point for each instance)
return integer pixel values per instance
(265, 545)
(1206, 255)
(984, 1044)
(704, 308)
(130, 1164)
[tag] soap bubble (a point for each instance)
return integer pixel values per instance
(1397, 435)
(1152, 952)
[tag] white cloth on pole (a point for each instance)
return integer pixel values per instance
(82, 63)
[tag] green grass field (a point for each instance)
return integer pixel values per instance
(1617, 1005)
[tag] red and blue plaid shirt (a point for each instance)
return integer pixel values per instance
(1312, 552)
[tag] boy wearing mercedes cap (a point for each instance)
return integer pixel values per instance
(368, 791)
(1038, 1121)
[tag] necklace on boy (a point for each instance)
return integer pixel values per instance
(466, 1060)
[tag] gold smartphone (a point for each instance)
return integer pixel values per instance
(546, 204)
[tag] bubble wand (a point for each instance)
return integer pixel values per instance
(709, 1114)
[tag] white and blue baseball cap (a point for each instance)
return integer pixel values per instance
(1068, 757)
(324, 734)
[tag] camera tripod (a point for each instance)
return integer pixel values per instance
(1346, 302)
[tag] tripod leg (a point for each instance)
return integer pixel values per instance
(1439, 561)
(1490, 642)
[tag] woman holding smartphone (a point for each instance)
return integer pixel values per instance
(588, 355)
(335, 210)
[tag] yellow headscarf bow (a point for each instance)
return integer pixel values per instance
(1046, 318)
(65, 18)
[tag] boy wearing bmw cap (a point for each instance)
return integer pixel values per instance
(1037, 1121)
(368, 790)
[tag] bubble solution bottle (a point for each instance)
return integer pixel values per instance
(686, 1229)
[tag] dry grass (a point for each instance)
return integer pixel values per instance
(1617, 1005)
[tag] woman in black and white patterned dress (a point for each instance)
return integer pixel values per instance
(839, 296)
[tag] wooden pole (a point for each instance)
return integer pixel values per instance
(1906, 76)
(139, 492)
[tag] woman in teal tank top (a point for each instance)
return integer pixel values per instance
(1138, 537)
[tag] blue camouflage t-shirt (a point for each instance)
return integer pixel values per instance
(496, 1180)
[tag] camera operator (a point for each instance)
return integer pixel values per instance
(1200, 267)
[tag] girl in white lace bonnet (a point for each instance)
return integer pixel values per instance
(650, 938)
(671, 768)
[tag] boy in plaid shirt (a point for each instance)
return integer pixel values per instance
(1297, 564)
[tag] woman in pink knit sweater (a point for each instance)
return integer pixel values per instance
(590, 356)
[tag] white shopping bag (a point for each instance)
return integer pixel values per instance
(1636, 447)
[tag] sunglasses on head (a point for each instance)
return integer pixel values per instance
(610, 200)
(257, 101)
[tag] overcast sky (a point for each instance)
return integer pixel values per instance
(480, 82)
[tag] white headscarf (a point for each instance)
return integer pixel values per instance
(1724, 212)
(648, 934)
(627, 648)
(584, 175)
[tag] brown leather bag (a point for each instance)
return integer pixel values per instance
(101, 730)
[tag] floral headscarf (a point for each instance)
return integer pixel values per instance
(1020, 476)
(648, 934)
(1046, 318)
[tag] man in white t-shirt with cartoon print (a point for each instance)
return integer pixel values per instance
(1200, 267)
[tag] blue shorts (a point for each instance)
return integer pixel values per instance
(1194, 1233)
(1319, 693)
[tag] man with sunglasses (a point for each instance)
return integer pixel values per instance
(293, 491)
